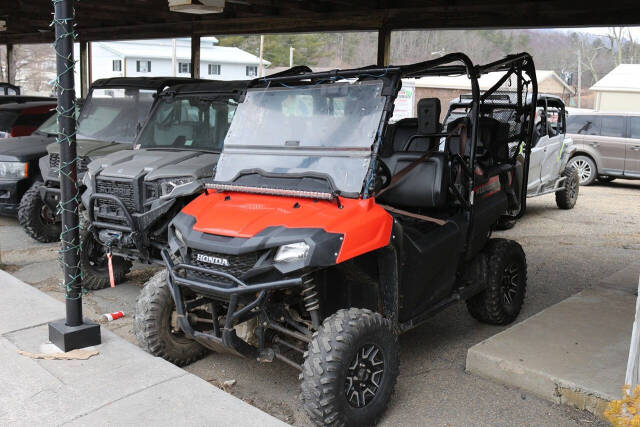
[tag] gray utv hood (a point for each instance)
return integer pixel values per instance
(155, 164)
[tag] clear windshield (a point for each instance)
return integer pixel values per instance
(322, 131)
(114, 115)
(188, 123)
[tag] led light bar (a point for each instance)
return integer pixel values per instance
(271, 191)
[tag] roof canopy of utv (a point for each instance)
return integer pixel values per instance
(156, 83)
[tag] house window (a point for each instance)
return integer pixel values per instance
(252, 70)
(117, 65)
(214, 69)
(184, 67)
(143, 66)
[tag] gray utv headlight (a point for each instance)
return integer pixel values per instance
(169, 184)
(292, 252)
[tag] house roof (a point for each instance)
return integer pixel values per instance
(486, 81)
(623, 78)
(161, 49)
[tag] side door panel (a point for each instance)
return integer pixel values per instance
(611, 144)
(535, 163)
(632, 159)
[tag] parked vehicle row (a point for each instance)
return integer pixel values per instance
(295, 222)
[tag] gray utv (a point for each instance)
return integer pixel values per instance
(109, 120)
(132, 195)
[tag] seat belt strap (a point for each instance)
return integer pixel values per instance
(414, 215)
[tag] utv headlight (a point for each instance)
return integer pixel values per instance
(292, 252)
(168, 185)
(13, 170)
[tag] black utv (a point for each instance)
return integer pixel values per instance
(327, 231)
(110, 118)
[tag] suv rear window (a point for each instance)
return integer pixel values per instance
(613, 126)
(634, 127)
(584, 124)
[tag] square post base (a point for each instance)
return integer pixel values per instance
(68, 338)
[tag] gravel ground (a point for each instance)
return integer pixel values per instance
(567, 251)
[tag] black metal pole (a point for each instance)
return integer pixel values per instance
(71, 333)
(64, 18)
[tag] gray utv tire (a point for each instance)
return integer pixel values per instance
(93, 261)
(152, 324)
(587, 169)
(36, 219)
(501, 301)
(567, 198)
(505, 223)
(354, 351)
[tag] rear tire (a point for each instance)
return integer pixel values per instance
(501, 301)
(152, 324)
(587, 169)
(94, 264)
(567, 198)
(350, 369)
(35, 217)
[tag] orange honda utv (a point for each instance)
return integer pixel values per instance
(328, 230)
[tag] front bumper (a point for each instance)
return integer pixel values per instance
(11, 192)
(223, 337)
(126, 230)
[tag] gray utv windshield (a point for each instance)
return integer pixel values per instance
(323, 130)
(114, 114)
(188, 123)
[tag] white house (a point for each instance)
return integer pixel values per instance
(619, 90)
(140, 58)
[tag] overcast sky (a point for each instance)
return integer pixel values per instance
(635, 31)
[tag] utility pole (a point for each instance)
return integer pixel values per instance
(72, 332)
(261, 52)
(173, 57)
(291, 49)
(579, 90)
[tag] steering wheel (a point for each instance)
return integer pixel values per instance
(383, 175)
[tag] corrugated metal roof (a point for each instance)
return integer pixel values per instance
(623, 78)
(486, 81)
(162, 50)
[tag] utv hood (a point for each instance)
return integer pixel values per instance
(364, 225)
(92, 148)
(156, 164)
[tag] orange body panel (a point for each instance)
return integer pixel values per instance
(365, 225)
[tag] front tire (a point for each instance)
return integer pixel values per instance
(36, 218)
(505, 223)
(350, 369)
(501, 301)
(567, 198)
(587, 169)
(152, 325)
(94, 264)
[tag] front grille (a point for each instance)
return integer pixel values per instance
(122, 190)
(54, 163)
(238, 265)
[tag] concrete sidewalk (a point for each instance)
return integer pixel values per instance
(574, 352)
(121, 385)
